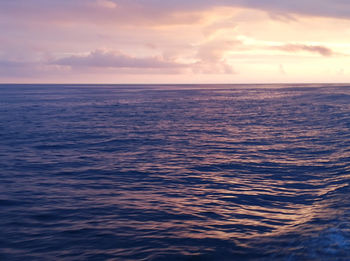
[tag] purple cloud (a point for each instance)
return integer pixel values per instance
(153, 11)
(100, 58)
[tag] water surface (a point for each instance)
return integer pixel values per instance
(195, 172)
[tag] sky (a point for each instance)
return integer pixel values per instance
(182, 41)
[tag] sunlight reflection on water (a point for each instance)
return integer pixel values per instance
(153, 173)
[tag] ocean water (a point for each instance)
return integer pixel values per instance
(173, 172)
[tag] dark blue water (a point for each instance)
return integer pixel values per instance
(174, 172)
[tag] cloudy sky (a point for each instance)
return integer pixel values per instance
(174, 41)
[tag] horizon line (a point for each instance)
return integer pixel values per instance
(261, 83)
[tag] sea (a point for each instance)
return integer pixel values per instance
(175, 172)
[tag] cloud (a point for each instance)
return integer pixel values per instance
(143, 12)
(112, 12)
(322, 50)
(333, 8)
(102, 59)
(171, 37)
(212, 57)
(328, 8)
(210, 60)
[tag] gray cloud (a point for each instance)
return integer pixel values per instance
(100, 58)
(322, 50)
(210, 61)
(153, 11)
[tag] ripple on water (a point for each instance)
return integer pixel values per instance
(149, 173)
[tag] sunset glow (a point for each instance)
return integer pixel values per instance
(137, 41)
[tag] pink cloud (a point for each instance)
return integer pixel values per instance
(212, 57)
(322, 50)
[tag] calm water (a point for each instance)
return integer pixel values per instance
(174, 172)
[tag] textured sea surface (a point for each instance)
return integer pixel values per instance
(174, 172)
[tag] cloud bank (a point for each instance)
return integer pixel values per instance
(128, 10)
(322, 50)
(100, 58)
